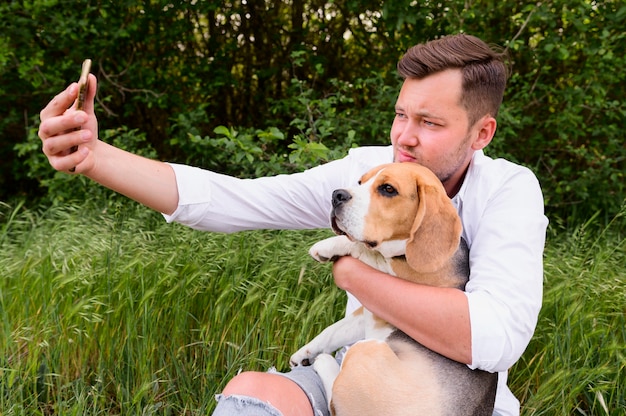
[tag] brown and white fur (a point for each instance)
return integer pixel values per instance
(398, 220)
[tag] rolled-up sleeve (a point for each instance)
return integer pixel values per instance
(506, 262)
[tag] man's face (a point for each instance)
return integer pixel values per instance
(432, 128)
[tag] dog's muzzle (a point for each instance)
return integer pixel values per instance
(340, 197)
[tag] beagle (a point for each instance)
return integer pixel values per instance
(399, 220)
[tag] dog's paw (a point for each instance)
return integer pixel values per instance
(331, 248)
(302, 357)
(326, 366)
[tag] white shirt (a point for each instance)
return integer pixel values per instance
(500, 205)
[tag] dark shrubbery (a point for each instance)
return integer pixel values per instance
(252, 90)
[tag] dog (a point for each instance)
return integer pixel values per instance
(398, 220)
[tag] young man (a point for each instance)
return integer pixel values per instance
(445, 116)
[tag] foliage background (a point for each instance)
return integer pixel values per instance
(257, 87)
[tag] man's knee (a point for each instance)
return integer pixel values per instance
(247, 383)
(279, 391)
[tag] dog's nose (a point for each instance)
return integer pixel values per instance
(340, 196)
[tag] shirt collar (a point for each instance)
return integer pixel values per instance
(457, 200)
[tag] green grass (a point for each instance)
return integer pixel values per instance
(576, 362)
(119, 313)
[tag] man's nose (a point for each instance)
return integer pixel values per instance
(408, 136)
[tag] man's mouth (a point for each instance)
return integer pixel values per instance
(402, 156)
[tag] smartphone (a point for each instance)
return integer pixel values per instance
(83, 85)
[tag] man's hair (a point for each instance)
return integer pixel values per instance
(484, 70)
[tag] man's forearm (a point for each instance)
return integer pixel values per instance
(149, 182)
(438, 318)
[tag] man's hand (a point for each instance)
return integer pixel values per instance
(63, 127)
(345, 268)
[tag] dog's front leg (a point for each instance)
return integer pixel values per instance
(318, 352)
(344, 332)
(330, 249)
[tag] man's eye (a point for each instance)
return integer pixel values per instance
(387, 190)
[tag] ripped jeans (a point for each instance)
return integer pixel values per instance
(243, 406)
(305, 377)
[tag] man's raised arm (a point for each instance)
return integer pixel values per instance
(149, 182)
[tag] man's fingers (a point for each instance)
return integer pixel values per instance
(66, 132)
(69, 163)
(59, 145)
(60, 102)
(66, 123)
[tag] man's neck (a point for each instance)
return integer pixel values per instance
(453, 185)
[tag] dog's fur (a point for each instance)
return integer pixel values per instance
(398, 220)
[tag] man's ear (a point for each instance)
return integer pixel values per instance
(484, 130)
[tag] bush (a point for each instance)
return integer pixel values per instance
(323, 75)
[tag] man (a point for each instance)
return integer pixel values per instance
(445, 116)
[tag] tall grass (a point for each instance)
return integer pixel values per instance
(116, 312)
(576, 362)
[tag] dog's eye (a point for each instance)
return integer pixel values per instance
(387, 190)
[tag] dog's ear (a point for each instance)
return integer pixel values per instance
(436, 232)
